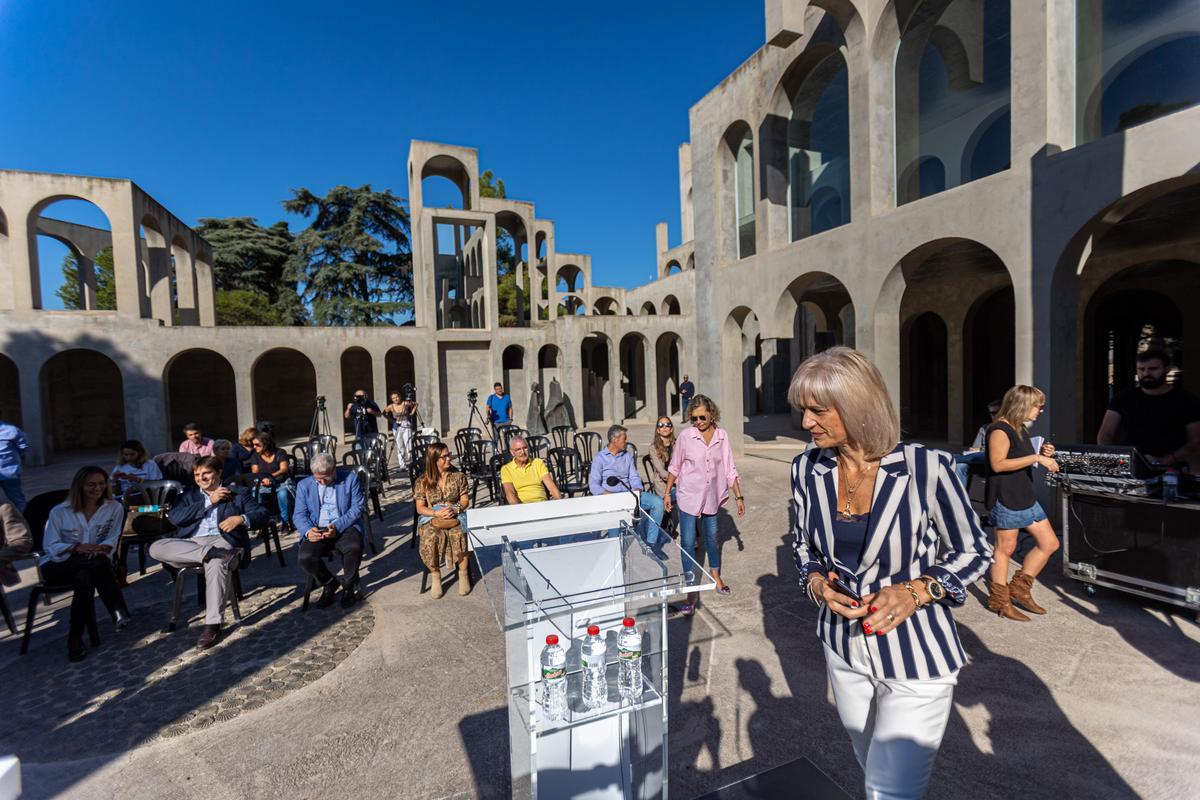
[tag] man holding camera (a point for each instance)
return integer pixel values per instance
(364, 413)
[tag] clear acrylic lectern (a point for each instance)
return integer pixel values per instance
(555, 568)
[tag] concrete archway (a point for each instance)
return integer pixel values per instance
(68, 234)
(516, 381)
(670, 305)
(399, 368)
(83, 394)
(635, 392)
(10, 390)
(596, 362)
(445, 168)
(737, 238)
(284, 385)
(357, 372)
(668, 356)
(606, 306)
(741, 366)
(199, 386)
(815, 312)
(648, 309)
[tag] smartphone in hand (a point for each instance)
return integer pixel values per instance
(841, 586)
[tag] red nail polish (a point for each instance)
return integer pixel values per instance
(853, 604)
(873, 608)
(879, 633)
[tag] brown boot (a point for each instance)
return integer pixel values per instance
(1000, 602)
(436, 588)
(1021, 589)
(464, 579)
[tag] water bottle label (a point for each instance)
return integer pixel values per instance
(629, 655)
(553, 673)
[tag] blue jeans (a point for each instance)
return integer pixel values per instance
(652, 509)
(687, 537)
(963, 463)
(12, 488)
(462, 520)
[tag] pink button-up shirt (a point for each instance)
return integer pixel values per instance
(703, 472)
(205, 448)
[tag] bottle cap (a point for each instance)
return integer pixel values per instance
(552, 639)
(593, 630)
(628, 622)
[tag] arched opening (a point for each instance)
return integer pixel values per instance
(667, 358)
(83, 396)
(673, 267)
(633, 376)
(817, 311)
(986, 152)
(512, 366)
(817, 149)
(569, 279)
(593, 356)
(200, 387)
(357, 373)
(183, 279)
(923, 382)
(73, 258)
(648, 308)
(512, 270)
(736, 182)
(953, 71)
(606, 306)
(741, 366)
(445, 183)
(10, 390)
(1135, 62)
(399, 369)
(6, 301)
(284, 384)
(570, 305)
(155, 270)
(968, 348)
(670, 305)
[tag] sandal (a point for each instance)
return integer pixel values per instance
(725, 590)
(687, 609)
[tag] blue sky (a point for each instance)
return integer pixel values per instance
(220, 108)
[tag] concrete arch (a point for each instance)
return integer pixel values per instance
(648, 308)
(399, 369)
(670, 305)
(10, 390)
(572, 275)
(67, 234)
(516, 379)
(736, 193)
(633, 358)
(741, 366)
(284, 387)
(155, 269)
(597, 369)
(452, 169)
(985, 128)
(668, 357)
(83, 391)
(200, 386)
(673, 267)
(1091, 104)
(357, 372)
(606, 306)
(184, 270)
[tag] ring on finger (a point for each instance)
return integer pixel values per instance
(891, 617)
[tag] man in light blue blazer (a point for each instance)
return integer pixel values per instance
(328, 515)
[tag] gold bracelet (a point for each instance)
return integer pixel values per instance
(916, 597)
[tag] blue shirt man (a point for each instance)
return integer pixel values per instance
(687, 390)
(615, 461)
(499, 406)
(13, 445)
(328, 515)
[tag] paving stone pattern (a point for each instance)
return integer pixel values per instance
(131, 690)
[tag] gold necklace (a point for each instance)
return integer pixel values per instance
(850, 490)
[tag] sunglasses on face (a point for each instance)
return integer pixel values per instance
(700, 418)
(666, 425)
(258, 444)
(444, 458)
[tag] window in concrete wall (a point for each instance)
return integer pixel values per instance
(953, 86)
(1136, 61)
(200, 387)
(818, 146)
(648, 308)
(744, 195)
(445, 183)
(673, 267)
(670, 304)
(285, 391)
(513, 376)
(357, 373)
(593, 352)
(399, 369)
(74, 257)
(83, 402)
(633, 376)
(10, 391)
(735, 164)
(512, 274)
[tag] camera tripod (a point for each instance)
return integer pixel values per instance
(473, 413)
(320, 421)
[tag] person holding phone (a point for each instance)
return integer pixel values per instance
(329, 509)
(885, 542)
(1012, 504)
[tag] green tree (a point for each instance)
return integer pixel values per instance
(250, 258)
(507, 259)
(354, 260)
(106, 282)
(246, 307)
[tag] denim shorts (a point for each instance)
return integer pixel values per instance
(1007, 519)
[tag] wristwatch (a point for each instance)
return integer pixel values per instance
(935, 589)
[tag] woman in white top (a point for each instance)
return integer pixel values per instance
(134, 466)
(80, 537)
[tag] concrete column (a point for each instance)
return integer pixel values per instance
(145, 406)
(649, 356)
(206, 295)
(6, 300)
(31, 410)
(87, 282)
(26, 285)
(243, 390)
(614, 397)
(954, 380)
(131, 287)
(329, 383)
(161, 307)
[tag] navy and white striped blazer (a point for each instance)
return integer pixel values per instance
(921, 523)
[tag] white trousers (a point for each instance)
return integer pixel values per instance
(403, 434)
(896, 726)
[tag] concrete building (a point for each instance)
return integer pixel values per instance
(974, 192)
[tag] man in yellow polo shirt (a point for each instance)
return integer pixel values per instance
(525, 479)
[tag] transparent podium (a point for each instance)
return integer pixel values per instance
(556, 568)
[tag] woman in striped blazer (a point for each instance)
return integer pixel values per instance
(886, 542)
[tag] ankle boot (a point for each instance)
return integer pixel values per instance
(464, 579)
(1021, 589)
(436, 588)
(1000, 601)
(75, 648)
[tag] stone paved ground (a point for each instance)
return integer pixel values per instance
(403, 697)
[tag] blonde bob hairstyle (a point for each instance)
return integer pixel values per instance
(1018, 405)
(844, 379)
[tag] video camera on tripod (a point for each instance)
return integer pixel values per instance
(408, 392)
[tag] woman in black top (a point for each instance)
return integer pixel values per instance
(1011, 501)
(272, 465)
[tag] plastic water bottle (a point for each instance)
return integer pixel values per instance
(554, 679)
(1170, 486)
(593, 660)
(629, 659)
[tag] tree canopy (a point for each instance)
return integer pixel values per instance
(353, 263)
(249, 258)
(106, 282)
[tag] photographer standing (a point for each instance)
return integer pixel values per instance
(499, 406)
(362, 411)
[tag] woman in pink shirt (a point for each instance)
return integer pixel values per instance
(701, 472)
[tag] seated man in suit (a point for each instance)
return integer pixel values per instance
(329, 509)
(212, 529)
